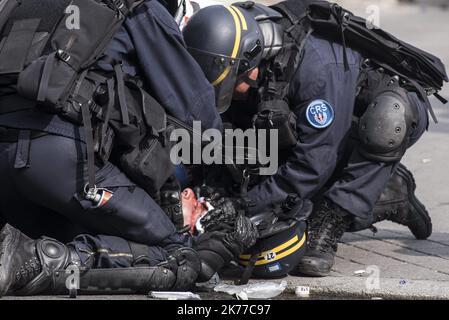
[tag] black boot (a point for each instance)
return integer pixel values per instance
(326, 227)
(26, 265)
(398, 203)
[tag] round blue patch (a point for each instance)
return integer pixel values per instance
(320, 114)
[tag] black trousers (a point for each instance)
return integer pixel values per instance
(41, 193)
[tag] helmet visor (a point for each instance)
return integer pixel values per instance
(221, 71)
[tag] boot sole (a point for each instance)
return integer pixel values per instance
(419, 208)
(309, 268)
(8, 246)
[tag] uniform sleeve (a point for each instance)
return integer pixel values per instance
(313, 159)
(172, 75)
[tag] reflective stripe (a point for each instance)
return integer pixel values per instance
(275, 250)
(278, 256)
(235, 50)
(106, 251)
(242, 17)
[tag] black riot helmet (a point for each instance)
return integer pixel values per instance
(227, 43)
(282, 239)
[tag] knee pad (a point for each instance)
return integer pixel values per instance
(188, 268)
(384, 129)
(54, 258)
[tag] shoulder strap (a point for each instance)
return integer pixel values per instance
(338, 24)
(284, 65)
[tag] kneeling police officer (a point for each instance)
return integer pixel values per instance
(344, 123)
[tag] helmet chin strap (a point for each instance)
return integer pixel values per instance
(251, 82)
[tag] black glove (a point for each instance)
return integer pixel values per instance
(221, 218)
(243, 237)
(217, 249)
(209, 193)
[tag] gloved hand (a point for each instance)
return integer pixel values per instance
(215, 198)
(209, 193)
(228, 244)
(224, 214)
(243, 237)
(218, 248)
(221, 218)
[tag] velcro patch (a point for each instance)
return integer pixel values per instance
(320, 114)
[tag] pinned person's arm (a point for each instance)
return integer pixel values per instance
(172, 75)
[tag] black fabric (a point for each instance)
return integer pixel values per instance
(14, 51)
(138, 250)
(36, 9)
(121, 94)
(6, 8)
(89, 145)
(37, 198)
(22, 159)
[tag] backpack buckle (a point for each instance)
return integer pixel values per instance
(118, 4)
(64, 56)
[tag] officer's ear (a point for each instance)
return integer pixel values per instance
(243, 86)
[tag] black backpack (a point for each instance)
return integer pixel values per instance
(48, 60)
(420, 71)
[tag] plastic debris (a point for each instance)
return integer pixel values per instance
(426, 161)
(242, 296)
(302, 292)
(402, 282)
(258, 290)
(359, 272)
(168, 295)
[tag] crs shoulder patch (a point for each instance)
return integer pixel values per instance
(320, 114)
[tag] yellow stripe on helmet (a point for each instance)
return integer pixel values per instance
(275, 250)
(241, 16)
(278, 256)
(235, 49)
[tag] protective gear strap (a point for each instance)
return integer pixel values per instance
(15, 50)
(107, 112)
(22, 159)
(341, 18)
(248, 270)
(45, 78)
(138, 250)
(121, 93)
(416, 87)
(87, 122)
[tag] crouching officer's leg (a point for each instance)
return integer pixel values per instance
(393, 121)
(398, 203)
(406, 121)
(43, 266)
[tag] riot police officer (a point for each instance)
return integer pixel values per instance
(247, 52)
